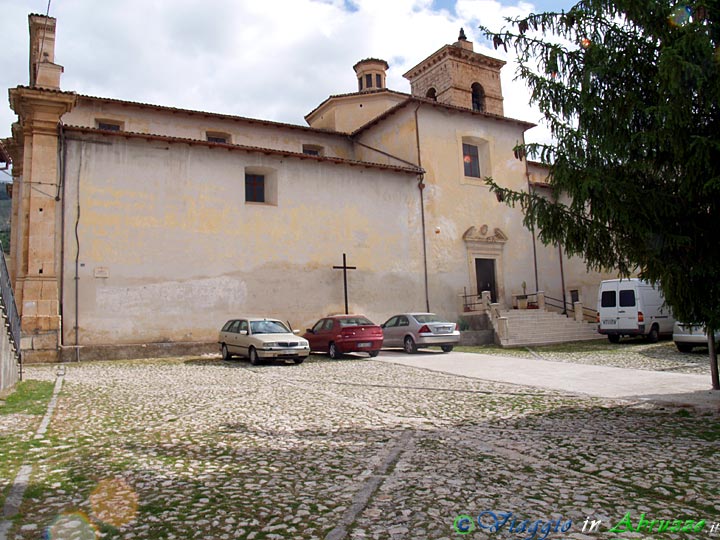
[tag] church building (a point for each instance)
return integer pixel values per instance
(138, 224)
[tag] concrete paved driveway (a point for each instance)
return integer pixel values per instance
(593, 380)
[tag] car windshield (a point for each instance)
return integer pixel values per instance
(268, 327)
(427, 317)
(356, 321)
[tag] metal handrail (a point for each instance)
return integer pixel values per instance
(466, 304)
(8, 306)
(568, 308)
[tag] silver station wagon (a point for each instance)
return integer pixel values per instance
(687, 336)
(413, 330)
(258, 338)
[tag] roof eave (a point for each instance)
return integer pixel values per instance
(393, 110)
(245, 148)
(351, 95)
(190, 112)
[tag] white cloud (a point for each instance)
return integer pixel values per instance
(270, 59)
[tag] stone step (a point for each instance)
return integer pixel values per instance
(538, 343)
(551, 324)
(537, 318)
(555, 339)
(535, 327)
(551, 331)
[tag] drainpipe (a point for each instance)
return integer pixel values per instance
(61, 186)
(532, 229)
(77, 257)
(421, 187)
(562, 280)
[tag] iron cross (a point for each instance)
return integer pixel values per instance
(345, 268)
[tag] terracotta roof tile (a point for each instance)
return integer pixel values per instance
(364, 93)
(212, 115)
(437, 104)
(245, 148)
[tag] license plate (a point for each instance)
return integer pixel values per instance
(444, 330)
(609, 321)
(364, 344)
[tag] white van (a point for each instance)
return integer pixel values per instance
(632, 307)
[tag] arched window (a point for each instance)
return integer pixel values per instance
(478, 97)
(431, 94)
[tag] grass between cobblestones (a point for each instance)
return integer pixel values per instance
(20, 415)
(198, 448)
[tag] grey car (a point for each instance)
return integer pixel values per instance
(413, 330)
(687, 336)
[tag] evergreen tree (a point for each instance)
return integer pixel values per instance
(630, 90)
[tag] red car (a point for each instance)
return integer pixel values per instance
(340, 334)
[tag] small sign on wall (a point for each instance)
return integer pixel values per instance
(101, 272)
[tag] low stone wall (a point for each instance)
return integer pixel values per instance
(480, 331)
(476, 337)
(132, 351)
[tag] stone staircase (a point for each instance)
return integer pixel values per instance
(526, 327)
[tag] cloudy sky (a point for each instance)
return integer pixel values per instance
(269, 59)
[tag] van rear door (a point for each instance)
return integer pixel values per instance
(607, 305)
(627, 307)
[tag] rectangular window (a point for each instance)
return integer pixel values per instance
(378, 81)
(471, 160)
(608, 299)
(255, 188)
(109, 126)
(368, 81)
(223, 138)
(627, 298)
(312, 150)
(574, 295)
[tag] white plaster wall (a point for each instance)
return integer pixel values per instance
(575, 271)
(454, 203)
(182, 252)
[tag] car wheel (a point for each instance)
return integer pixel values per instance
(409, 345)
(333, 352)
(446, 348)
(684, 347)
(299, 360)
(652, 337)
(225, 353)
(373, 354)
(614, 338)
(254, 358)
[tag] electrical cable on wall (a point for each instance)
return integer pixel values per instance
(42, 41)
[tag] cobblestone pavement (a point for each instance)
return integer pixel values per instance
(350, 449)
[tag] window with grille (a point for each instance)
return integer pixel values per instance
(255, 188)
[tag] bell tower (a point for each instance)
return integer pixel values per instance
(456, 75)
